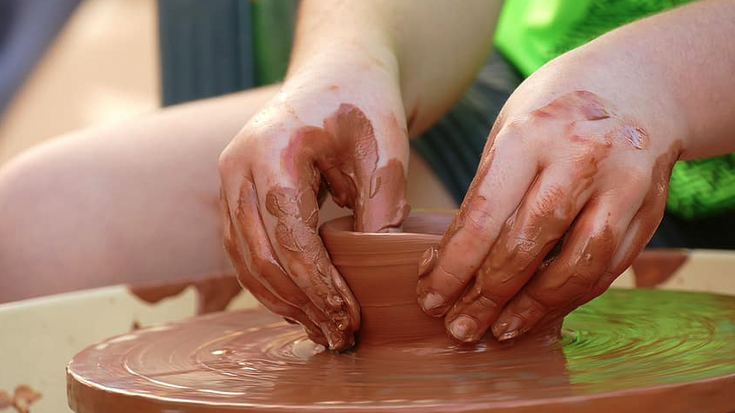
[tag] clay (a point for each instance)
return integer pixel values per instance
(623, 351)
(531, 241)
(629, 350)
(23, 397)
(292, 266)
(345, 151)
(257, 268)
(382, 271)
(214, 292)
(654, 267)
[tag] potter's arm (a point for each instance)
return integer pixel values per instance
(599, 130)
(339, 118)
(437, 45)
(687, 55)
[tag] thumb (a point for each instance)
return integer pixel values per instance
(384, 208)
(367, 172)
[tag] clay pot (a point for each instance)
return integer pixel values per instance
(382, 271)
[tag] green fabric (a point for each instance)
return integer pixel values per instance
(206, 48)
(532, 32)
(529, 31)
(703, 187)
(214, 47)
(273, 24)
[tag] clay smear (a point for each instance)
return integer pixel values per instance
(21, 400)
(214, 293)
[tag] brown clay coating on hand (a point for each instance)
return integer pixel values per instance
(345, 153)
(545, 215)
(296, 233)
(214, 292)
(257, 267)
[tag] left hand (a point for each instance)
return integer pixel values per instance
(570, 188)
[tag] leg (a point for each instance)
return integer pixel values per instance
(137, 202)
(132, 203)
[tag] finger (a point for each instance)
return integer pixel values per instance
(583, 259)
(496, 191)
(642, 225)
(539, 223)
(260, 258)
(264, 296)
(292, 222)
(366, 167)
(639, 233)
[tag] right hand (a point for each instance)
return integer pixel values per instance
(337, 122)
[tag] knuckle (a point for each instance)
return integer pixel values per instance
(450, 280)
(487, 303)
(551, 200)
(587, 153)
(511, 256)
(516, 131)
(479, 218)
(537, 300)
(490, 298)
(639, 178)
(515, 128)
(230, 162)
(579, 282)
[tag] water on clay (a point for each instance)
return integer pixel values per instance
(625, 339)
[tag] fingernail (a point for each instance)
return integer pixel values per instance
(508, 335)
(335, 341)
(505, 330)
(432, 303)
(335, 300)
(331, 336)
(462, 328)
(428, 260)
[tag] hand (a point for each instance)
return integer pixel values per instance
(338, 123)
(569, 190)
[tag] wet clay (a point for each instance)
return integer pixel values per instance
(214, 292)
(345, 151)
(295, 276)
(508, 269)
(654, 267)
(21, 400)
(629, 350)
(382, 271)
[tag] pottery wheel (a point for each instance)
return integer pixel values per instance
(629, 350)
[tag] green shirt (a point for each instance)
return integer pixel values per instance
(532, 32)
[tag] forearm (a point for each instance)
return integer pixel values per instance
(682, 62)
(434, 47)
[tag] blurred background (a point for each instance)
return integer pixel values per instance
(67, 64)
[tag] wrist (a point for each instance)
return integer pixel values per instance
(632, 84)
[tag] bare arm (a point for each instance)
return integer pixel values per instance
(581, 157)
(682, 62)
(436, 46)
(340, 118)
